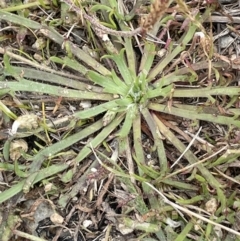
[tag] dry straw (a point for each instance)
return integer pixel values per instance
(158, 8)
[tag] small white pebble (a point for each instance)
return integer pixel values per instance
(85, 104)
(87, 223)
(56, 218)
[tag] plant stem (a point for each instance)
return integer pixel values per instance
(99, 26)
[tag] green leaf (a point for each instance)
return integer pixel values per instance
(183, 235)
(14, 18)
(8, 69)
(119, 82)
(71, 63)
(18, 171)
(6, 148)
(98, 139)
(160, 92)
(171, 55)
(30, 73)
(147, 170)
(194, 115)
(108, 117)
(42, 174)
(171, 78)
(119, 59)
(106, 82)
(124, 102)
(94, 111)
(7, 111)
(148, 57)
(127, 124)
(31, 86)
(158, 142)
(67, 177)
(100, 7)
(143, 226)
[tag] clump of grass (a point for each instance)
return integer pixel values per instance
(134, 131)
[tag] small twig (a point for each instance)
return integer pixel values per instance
(99, 26)
(130, 161)
(166, 200)
(27, 236)
(104, 190)
(60, 230)
(190, 213)
(227, 177)
(188, 147)
(195, 164)
(214, 19)
(200, 140)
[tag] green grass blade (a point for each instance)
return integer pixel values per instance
(191, 159)
(31, 73)
(180, 185)
(71, 63)
(85, 152)
(206, 92)
(146, 227)
(119, 82)
(137, 138)
(13, 18)
(127, 124)
(171, 78)
(119, 59)
(51, 33)
(107, 83)
(99, 138)
(148, 57)
(94, 111)
(61, 145)
(77, 52)
(183, 235)
(138, 202)
(157, 140)
(18, 171)
(42, 174)
(130, 53)
(10, 167)
(194, 115)
(160, 92)
(170, 56)
(140, 160)
(31, 86)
